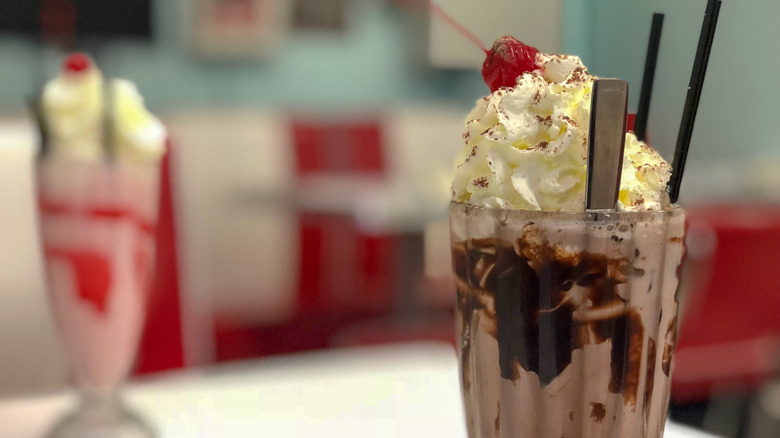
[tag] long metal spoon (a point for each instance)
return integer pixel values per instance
(606, 141)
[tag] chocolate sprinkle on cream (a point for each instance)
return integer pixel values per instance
(597, 412)
(481, 182)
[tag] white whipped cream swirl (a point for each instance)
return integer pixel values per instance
(526, 146)
(73, 112)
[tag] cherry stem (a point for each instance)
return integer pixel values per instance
(438, 11)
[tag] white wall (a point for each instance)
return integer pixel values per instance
(30, 356)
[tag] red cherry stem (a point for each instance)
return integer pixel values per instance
(438, 11)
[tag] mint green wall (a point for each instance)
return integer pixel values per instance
(739, 101)
(577, 28)
(372, 65)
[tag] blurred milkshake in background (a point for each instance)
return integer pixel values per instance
(97, 179)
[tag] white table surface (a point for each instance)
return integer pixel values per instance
(407, 390)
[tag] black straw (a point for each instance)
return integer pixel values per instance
(692, 100)
(643, 112)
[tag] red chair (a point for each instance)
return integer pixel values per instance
(729, 338)
(345, 275)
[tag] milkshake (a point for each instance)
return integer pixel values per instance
(567, 317)
(97, 180)
(97, 229)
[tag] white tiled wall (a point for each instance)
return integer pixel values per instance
(237, 237)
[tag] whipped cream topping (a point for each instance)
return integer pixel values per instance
(526, 147)
(73, 106)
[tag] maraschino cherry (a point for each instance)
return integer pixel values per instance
(76, 62)
(506, 60)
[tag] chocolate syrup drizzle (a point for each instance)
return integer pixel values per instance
(535, 322)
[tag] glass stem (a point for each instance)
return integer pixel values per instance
(103, 403)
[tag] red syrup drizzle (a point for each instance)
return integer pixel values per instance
(51, 208)
(93, 275)
(92, 269)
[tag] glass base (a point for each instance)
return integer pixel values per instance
(101, 420)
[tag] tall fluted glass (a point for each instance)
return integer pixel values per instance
(97, 223)
(567, 321)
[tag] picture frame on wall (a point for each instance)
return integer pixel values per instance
(237, 30)
(320, 15)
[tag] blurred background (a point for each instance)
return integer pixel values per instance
(305, 198)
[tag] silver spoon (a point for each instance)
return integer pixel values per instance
(606, 142)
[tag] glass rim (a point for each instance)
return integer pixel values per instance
(43, 164)
(633, 215)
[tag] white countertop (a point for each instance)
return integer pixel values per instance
(407, 390)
